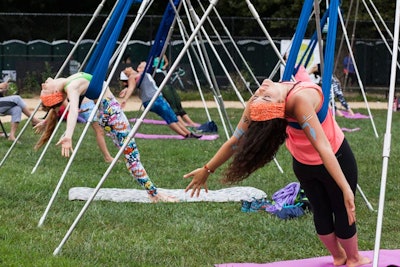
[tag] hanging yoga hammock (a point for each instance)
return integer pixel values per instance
(161, 36)
(329, 51)
(100, 59)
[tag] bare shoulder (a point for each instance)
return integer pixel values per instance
(308, 98)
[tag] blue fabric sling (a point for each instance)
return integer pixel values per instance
(328, 56)
(161, 36)
(99, 60)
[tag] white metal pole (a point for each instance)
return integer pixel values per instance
(95, 14)
(182, 32)
(357, 73)
(236, 47)
(380, 32)
(124, 45)
(387, 140)
(135, 127)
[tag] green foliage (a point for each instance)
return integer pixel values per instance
(32, 81)
(48, 71)
(279, 16)
(12, 89)
(173, 234)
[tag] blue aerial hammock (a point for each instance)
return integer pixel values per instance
(311, 46)
(328, 55)
(100, 59)
(161, 36)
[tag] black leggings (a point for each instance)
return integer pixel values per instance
(326, 198)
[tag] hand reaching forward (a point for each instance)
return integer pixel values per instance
(66, 146)
(123, 92)
(40, 127)
(199, 180)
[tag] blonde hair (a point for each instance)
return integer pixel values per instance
(51, 122)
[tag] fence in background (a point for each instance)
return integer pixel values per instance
(25, 61)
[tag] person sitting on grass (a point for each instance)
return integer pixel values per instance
(14, 106)
(147, 90)
(323, 161)
(110, 116)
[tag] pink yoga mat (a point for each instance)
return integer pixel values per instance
(175, 136)
(386, 257)
(157, 122)
(150, 121)
(355, 116)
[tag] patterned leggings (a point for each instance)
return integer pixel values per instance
(113, 120)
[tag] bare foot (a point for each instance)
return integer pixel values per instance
(108, 160)
(341, 258)
(161, 197)
(339, 113)
(361, 261)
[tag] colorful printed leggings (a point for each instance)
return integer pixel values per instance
(113, 120)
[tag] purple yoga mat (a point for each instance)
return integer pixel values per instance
(386, 257)
(355, 116)
(157, 122)
(175, 136)
(149, 121)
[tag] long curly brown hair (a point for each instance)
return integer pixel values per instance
(256, 148)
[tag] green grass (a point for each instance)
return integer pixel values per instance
(179, 234)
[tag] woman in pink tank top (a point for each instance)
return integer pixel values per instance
(291, 112)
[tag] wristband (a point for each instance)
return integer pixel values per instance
(208, 170)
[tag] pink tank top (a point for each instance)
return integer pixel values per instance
(302, 75)
(297, 142)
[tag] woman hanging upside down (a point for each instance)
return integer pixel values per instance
(110, 117)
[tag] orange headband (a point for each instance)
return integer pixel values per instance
(263, 111)
(52, 100)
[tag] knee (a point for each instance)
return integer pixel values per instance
(16, 113)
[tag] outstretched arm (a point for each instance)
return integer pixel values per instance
(201, 175)
(66, 140)
(166, 62)
(128, 91)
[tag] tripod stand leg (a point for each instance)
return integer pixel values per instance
(365, 199)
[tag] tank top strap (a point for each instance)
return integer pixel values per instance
(300, 86)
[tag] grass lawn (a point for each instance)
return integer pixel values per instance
(174, 234)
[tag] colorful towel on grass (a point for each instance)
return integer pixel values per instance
(175, 136)
(355, 116)
(231, 194)
(386, 258)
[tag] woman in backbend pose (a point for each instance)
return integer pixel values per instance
(110, 117)
(322, 159)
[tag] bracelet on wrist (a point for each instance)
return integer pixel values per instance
(208, 169)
